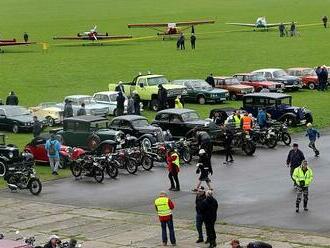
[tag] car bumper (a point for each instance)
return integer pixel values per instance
(219, 99)
(288, 86)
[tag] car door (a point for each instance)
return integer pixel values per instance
(191, 93)
(141, 88)
(178, 128)
(39, 151)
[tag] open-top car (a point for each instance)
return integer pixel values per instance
(17, 119)
(87, 132)
(307, 76)
(235, 88)
(279, 106)
(259, 82)
(49, 111)
(200, 91)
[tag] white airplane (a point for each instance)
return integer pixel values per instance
(260, 23)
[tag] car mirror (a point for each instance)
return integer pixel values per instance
(141, 85)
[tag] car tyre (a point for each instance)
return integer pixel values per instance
(154, 105)
(201, 100)
(3, 169)
(50, 121)
(311, 86)
(93, 141)
(147, 143)
(15, 128)
(290, 121)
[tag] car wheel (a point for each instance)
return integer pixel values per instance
(290, 121)
(201, 100)
(3, 169)
(154, 105)
(15, 128)
(147, 143)
(311, 86)
(50, 121)
(93, 141)
(233, 97)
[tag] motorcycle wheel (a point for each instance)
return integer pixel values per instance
(63, 162)
(147, 163)
(35, 186)
(286, 138)
(131, 166)
(76, 169)
(249, 148)
(271, 142)
(186, 155)
(98, 174)
(112, 171)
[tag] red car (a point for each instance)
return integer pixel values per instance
(307, 75)
(259, 82)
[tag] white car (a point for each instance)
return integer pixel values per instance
(49, 111)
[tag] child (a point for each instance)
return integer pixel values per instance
(312, 134)
(204, 168)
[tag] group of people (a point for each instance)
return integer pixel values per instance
(133, 101)
(180, 44)
(284, 32)
(322, 76)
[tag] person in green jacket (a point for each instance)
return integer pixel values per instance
(303, 176)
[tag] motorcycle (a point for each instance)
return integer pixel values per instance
(186, 149)
(125, 160)
(143, 158)
(89, 166)
(264, 136)
(23, 177)
(110, 165)
(243, 140)
(281, 132)
(69, 154)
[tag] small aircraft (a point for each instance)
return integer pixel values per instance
(172, 29)
(260, 23)
(92, 35)
(13, 42)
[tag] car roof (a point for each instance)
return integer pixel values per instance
(150, 76)
(299, 68)
(175, 111)
(9, 107)
(268, 95)
(223, 77)
(267, 70)
(190, 79)
(244, 74)
(77, 96)
(130, 117)
(106, 92)
(86, 118)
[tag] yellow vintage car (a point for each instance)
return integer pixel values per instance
(49, 111)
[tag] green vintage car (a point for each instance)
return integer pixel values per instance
(87, 132)
(200, 91)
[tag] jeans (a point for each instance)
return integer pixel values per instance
(170, 228)
(174, 178)
(199, 225)
(210, 231)
(54, 164)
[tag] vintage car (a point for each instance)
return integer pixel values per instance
(279, 106)
(280, 75)
(92, 108)
(258, 82)
(49, 111)
(138, 126)
(307, 76)
(235, 88)
(86, 132)
(17, 119)
(200, 91)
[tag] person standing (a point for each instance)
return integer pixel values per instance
(281, 28)
(178, 104)
(293, 29)
(164, 207)
(162, 97)
(210, 80)
(120, 87)
(37, 127)
(81, 111)
(294, 160)
(193, 41)
(120, 103)
(68, 110)
(312, 135)
(182, 40)
(209, 209)
(325, 21)
(246, 122)
(200, 197)
(130, 106)
(137, 101)
(204, 168)
(262, 118)
(12, 99)
(303, 176)
(227, 144)
(173, 165)
(53, 148)
(323, 78)
(26, 37)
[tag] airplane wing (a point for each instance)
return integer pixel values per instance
(101, 37)
(270, 25)
(15, 43)
(194, 23)
(242, 24)
(165, 24)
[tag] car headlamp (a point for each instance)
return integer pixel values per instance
(10, 154)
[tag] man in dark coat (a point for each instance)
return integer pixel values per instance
(182, 40)
(120, 103)
(26, 37)
(12, 99)
(82, 110)
(137, 101)
(200, 197)
(205, 142)
(37, 127)
(281, 28)
(325, 21)
(209, 209)
(68, 110)
(210, 80)
(294, 159)
(120, 87)
(227, 144)
(193, 41)
(323, 78)
(162, 97)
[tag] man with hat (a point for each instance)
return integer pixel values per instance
(294, 159)
(200, 197)
(303, 176)
(312, 134)
(162, 97)
(53, 242)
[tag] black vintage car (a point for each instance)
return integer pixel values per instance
(16, 119)
(138, 126)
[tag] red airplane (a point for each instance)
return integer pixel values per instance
(13, 42)
(92, 35)
(172, 29)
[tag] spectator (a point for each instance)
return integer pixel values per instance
(26, 37)
(193, 41)
(82, 110)
(178, 104)
(68, 110)
(37, 127)
(262, 118)
(120, 87)
(325, 21)
(281, 28)
(162, 97)
(120, 103)
(312, 135)
(293, 29)
(323, 77)
(53, 148)
(137, 101)
(210, 80)
(294, 160)
(200, 197)
(182, 40)
(173, 165)
(130, 106)
(12, 99)
(228, 143)
(235, 244)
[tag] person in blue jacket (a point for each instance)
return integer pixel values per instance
(312, 135)
(262, 118)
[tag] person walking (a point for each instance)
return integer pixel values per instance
(137, 101)
(53, 148)
(227, 144)
(173, 165)
(209, 208)
(162, 97)
(193, 41)
(130, 106)
(200, 197)
(37, 127)
(325, 21)
(25, 37)
(262, 118)
(178, 104)
(68, 110)
(81, 111)
(12, 99)
(312, 135)
(210, 80)
(204, 168)
(205, 142)
(164, 207)
(120, 103)
(294, 160)
(303, 176)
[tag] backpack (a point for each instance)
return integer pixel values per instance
(52, 150)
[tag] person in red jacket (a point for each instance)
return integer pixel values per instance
(173, 165)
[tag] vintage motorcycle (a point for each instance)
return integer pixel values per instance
(125, 160)
(281, 132)
(186, 149)
(109, 164)
(143, 158)
(88, 166)
(264, 136)
(243, 140)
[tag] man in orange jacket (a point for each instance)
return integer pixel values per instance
(246, 122)
(173, 165)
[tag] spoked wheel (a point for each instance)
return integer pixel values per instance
(286, 138)
(76, 169)
(112, 171)
(35, 186)
(131, 166)
(147, 163)
(50, 121)
(186, 155)
(98, 174)
(271, 142)
(249, 148)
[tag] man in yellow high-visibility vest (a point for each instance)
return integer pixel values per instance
(164, 207)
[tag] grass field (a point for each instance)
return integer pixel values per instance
(70, 68)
